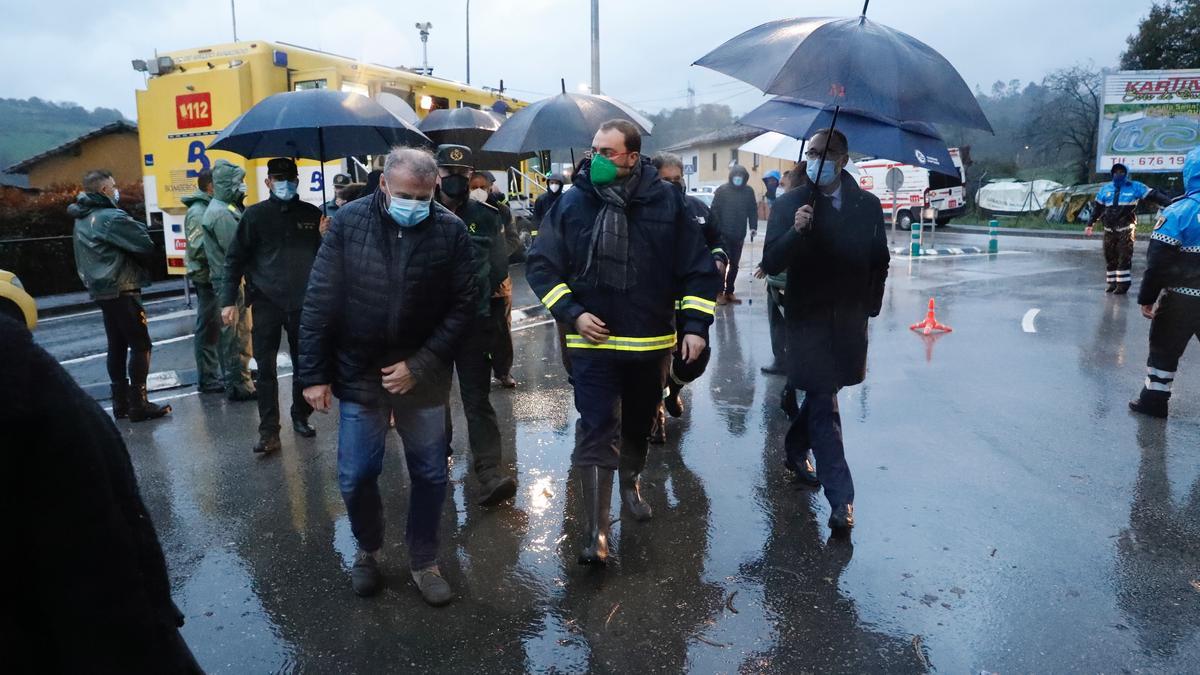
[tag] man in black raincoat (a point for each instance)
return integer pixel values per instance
(735, 210)
(834, 250)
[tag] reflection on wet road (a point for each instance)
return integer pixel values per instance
(1013, 516)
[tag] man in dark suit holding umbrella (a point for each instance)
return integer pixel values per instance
(833, 246)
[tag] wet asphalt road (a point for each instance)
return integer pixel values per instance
(1013, 516)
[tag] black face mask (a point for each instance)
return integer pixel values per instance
(677, 185)
(456, 185)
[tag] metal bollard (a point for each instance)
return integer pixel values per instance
(916, 238)
(993, 232)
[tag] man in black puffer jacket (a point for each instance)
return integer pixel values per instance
(390, 297)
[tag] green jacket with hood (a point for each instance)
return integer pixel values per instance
(193, 228)
(221, 218)
(113, 252)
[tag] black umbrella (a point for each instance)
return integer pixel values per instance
(915, 143)
(850, 62)
(316, 124)
(472, 128)
(562, 122)
(854, 63)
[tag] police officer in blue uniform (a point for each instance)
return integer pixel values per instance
(1116, 205)
(1170, 292)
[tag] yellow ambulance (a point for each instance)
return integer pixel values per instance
(191, 95)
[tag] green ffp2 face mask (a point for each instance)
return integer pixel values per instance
(603, 171)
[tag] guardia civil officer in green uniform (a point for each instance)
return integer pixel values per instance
(473, 359)
(273, 250)
(220, 224)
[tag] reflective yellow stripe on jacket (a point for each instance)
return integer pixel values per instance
(697, 303)
(624, 344)
(557, 293)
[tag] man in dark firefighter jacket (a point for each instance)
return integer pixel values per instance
(1170, 292)
(612, 259)
(835, 252)
(670, 169)
(1116, 205)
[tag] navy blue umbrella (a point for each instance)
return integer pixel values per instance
(316, 124)
(852, 63)
(913, 143)
(562, 122)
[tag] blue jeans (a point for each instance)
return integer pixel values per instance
(362, 432)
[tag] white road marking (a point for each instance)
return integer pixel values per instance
(96, 311)
(1027, 320)
(93, 357)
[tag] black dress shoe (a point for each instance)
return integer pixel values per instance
(1122, 289)
(773, 369)
(1111, 287)
(805, 475)
(303, 428)
(267, 445)
(239, 395)
(1137, 405)
(842, 517)
(496, 490)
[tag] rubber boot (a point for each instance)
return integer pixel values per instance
(595, 484)
(1122, 288)
(632, 463)
(120, 399)
(1112, 286)
(1152, 404)
(141, 409)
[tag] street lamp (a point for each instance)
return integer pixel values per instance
(424, 30)
(468, 41)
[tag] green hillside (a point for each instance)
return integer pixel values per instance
(28, 127)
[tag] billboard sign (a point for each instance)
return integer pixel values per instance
(1149, 120)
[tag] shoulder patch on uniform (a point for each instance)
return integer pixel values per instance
(1158, 222)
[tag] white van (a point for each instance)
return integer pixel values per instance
(921, 188)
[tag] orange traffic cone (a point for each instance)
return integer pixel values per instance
(930, 323)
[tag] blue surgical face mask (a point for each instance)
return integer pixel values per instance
(737, 181)
(828, 172)
(116, 196)
(284, 189)
(408, 212)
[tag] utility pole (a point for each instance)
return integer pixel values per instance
(468, 41)
(424, 30)
(233, 13)
(595, 46)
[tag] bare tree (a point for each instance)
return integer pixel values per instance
(1065, 122)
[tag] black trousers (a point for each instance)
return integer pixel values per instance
(617, 400)
(502, 345)
(1118, 256)
(473, 361)
(777, 324)
(1175, 323)
(269, 323)
(819, 426)
(733, 248)
(128, 338)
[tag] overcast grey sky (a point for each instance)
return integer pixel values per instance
(81, 51)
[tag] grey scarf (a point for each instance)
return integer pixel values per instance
(608, 262)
